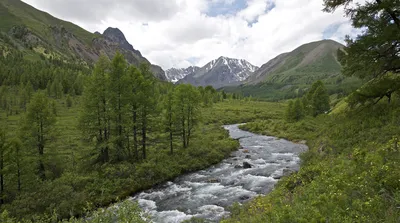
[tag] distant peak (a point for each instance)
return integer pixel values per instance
(110, 31)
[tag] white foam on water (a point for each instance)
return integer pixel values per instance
(212, 210)
(282, 154)
(254, 182)
(173, 216)
(151, 196)
(259, 161)
(174, 189)
(147, 205)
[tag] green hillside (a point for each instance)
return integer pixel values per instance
(290, 74)
(38, 34)
(16, 12)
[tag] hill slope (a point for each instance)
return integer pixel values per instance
(304, 65)
(38, 33)
(290, 74)
(221, 72)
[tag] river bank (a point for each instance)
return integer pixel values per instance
(251, 171)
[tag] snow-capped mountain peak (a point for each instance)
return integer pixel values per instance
(173, 75)
(221, 72)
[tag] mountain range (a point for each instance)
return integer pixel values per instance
(174, 75)
(220, 72)
(38, 33)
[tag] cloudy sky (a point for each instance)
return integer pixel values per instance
(180, 33)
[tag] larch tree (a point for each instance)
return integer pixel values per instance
(135, 84)
(16, 154)
(95, 117)
(118, 94)
(3, 150)
(147, 104)
(170, 117)
(188, 101)
(39, 122)
(320, 101)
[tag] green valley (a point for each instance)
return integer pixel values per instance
(91, 131)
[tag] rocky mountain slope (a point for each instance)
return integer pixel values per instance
(34, 33)
(304, 65)
(174, 75)
(221, 72)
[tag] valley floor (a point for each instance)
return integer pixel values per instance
(350, 173)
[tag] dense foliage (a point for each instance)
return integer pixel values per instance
(315, 102)
(375, 54)
(350, 173)
(63, 154)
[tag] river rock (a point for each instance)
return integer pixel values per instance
(244, 197)
(238, 167)
(247, 165)
(246, 151)
(213, 180)
(277, 177)
(248, 157)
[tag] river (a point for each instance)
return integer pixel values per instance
(207, 193)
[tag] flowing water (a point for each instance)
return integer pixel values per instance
(207, 193)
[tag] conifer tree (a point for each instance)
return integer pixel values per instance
(39, 122)
(118, 99)
(95, 119)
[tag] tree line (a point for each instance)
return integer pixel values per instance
(315, 102)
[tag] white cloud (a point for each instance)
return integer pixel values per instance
(179, 30)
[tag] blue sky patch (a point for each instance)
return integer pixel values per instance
(222, 8)
(193, 60)
(331, 30)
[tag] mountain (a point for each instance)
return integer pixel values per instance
(304, 65)
(290, 74)
(174, 75)
(221, 72)
(37, 33)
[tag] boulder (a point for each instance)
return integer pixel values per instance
(247, 165)
(238, 167)
(247, 156)
(244, 197)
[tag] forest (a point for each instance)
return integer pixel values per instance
(77, 138)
